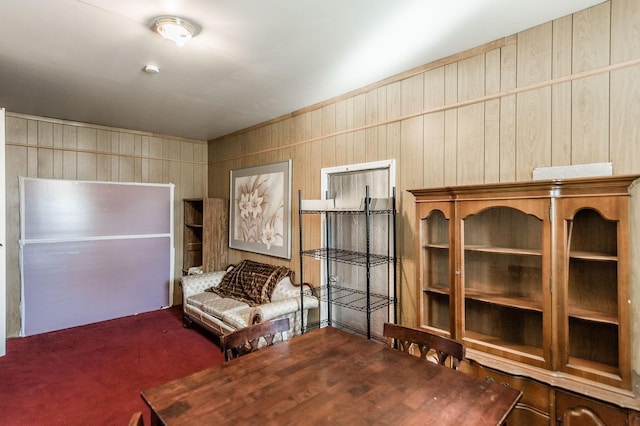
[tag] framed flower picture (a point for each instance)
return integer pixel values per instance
(260, 209)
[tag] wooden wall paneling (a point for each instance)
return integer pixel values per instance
(45, 153)
(533, 143)
(590, 120)
(591, 37)
(265, 143)
(69, 155)
(412, 131)
(315, 151)
(187, 173)
(625, 90)
(625, 31)
(590, 96)
(508, 81)
(349, 156)
(561, 93)
(32, 151)
(625, 110)
(411, 155)
(451, 125)
(103, 159)
(145, 162)
(341, 138)
(200, 169)
(156, 165)
(87, 161)
(14, 168)
(115, 159)
(433, 138)
(127, 157)
(381, 138)
(359, 121)
(328, 154)
(371, 134)
(471, 120)
(393, 110)
(57, 154)
(533, 119)
(411, 151)
(492, 118)
(470, 135)
(15, 133)
(534, 55)
(47, 148)
(137, 159)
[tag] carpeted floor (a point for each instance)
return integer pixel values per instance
(93, 375)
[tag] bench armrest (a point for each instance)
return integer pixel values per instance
(273, 310)
(193, 284)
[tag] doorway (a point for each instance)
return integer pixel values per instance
(347, 186)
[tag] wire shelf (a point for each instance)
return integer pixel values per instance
(342, 326)
(352, 298)
(347, 256)
(353, 212)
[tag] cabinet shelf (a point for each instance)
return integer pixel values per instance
(587, 255)
(347, 256)
(436, 246)
(444, 291)
(515, 302)
(598, 367)
(352, 298)
(593, 316)
(485, 339)
(503, 250)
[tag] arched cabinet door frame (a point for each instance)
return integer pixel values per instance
(593, 232)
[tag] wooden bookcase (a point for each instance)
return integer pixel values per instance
(205, 234)
(535, 279)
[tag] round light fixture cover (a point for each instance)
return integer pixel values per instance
(174, 28)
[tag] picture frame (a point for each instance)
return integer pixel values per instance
(260, 209)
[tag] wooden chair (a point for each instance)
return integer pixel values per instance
(432, 347)
(246, 340)
(136, 419)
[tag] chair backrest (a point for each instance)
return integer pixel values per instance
(136, 419)
(246, 340)
(432, 347)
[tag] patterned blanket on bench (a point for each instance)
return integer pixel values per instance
(251, 282)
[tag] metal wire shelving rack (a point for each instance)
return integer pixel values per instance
(343, 295)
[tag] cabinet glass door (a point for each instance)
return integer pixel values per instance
(592, 292)
(503, 275)
(436, 283)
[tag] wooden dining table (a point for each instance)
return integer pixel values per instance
(328, 376)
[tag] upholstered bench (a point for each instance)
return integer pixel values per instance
(248, 293)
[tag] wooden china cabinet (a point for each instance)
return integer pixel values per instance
(536, 279)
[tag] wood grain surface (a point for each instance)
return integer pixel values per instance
(328, 376)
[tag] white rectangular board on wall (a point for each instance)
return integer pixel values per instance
(93, 251)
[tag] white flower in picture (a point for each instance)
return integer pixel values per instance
(260, 209)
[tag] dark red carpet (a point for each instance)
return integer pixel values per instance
(93, 375)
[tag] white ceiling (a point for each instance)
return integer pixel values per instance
(253, 60)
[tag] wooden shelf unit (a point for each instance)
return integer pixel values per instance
(205, 234)
(535, 279)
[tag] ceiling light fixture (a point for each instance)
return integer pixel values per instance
(173, 28)
(151, 69)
